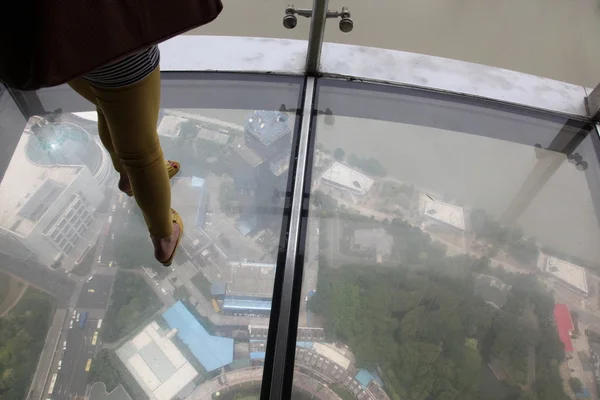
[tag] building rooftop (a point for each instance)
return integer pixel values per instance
(156, 363)
(62, 143)
(206, 122)
(246, 153)
(267, 126)
(330, 352)
(190, 199)
(217, 288)
(348, 178)
(246, 303)
(169, 126)
(212, 136)
(98, 392)
(445, 213)
(251, 279)
(280, 165)
(572, 274)
(364, 377)
(27, 188)
(211, 351)
(564, 325)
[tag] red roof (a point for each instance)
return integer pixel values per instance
(564, 324)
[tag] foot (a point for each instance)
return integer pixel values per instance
(124, 185)
(163, 248)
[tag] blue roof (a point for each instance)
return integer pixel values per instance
(211, 351)
(247, 225)
(246, 304)
(257, 355)
(244, 228)
(364, 377)
(306, 345)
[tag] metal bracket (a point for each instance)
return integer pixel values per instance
(592, 103)
(290, 21)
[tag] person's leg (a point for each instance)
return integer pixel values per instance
(84, 89)
(131, 113)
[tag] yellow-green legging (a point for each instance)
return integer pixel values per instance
(127, 118)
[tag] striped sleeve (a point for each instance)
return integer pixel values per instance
(127, 71)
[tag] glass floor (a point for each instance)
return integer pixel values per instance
(447, 248)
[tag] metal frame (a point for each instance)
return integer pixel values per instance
(315, 36)
(281, 343)
(592, 103)
(279, 363)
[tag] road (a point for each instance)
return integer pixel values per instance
(90, 294)
(72, 377)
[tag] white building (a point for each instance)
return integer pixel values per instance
(50, 192)
(571, 274)
(445, 214)
(345, 178)
(170, 126)
(157, 365)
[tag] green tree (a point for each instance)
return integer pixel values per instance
(131, 302)
(22, 336)
(339, 154)
(102, 370)
(426, 331)
(576, 384)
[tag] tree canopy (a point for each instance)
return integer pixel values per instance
(521, 248)
(423, 328)
(131, 302)
(371, 165)
(339, 154)
(22, 336)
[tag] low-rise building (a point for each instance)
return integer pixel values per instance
(573, 276)
(445, 214)
(564, 325)
(156, 363)
(170, 126)
(347, 179)
(212, 352)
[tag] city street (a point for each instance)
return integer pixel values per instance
(72, 377)
(90, 295)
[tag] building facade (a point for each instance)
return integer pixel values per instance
(50, 193)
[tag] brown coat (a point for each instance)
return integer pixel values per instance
(48, 42)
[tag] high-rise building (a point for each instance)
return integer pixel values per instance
(261, 160)
(50, 192)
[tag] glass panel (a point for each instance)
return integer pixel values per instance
(536, 37)
(112, 313)
(441, 233)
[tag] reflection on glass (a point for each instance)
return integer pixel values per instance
(77, 262)
(433, 271)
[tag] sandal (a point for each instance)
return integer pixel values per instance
(173, 168)
(176, 220)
